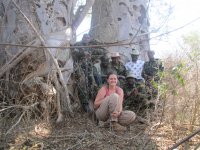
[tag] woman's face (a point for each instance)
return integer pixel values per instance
(112, 80)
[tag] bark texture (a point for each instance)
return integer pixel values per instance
(121, 20)
(36, 23)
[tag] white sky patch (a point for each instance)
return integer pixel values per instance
(183, 13)
(83, 28)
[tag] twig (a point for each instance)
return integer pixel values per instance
(79, 142)
(184, 140)
(119, 43)
(9, 108)
(20, 106)
(16, 123)
(17, 58)
(121, 137)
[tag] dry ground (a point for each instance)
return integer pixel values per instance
(80, 133)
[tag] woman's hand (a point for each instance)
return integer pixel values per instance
(116, 114)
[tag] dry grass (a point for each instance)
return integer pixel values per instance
(29, 126)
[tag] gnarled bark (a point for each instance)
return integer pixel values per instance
(127, 20)
(49, 24)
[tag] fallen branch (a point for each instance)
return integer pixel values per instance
(184, 140)
(17, 58)
(16, 123)
(25, 108)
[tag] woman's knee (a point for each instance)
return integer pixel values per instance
(113, 99)
(114, 96)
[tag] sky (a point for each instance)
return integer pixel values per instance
(83, 28)
(182, 13)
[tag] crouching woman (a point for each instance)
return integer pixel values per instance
(109, 103)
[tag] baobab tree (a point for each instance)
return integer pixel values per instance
(28, 30)
(122, 22)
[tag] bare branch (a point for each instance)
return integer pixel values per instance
(17, 58)
(185, 139)
(81, 13)
(20, 106)
(16, 123)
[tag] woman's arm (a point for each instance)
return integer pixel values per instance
(100, 96)
(121, 98)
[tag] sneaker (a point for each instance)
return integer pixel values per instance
(117, 127)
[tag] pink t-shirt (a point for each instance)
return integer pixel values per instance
(107, 90)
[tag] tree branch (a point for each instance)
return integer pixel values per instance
(81, 13)
(184, 140)
(18, 57)
(16, 123)
(20, 106)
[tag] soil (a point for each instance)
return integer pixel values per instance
(80, 133)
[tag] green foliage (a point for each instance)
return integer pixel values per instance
(178, 72)
(163, 88)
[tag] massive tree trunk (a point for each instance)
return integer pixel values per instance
(127, 21)
(38, 23)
